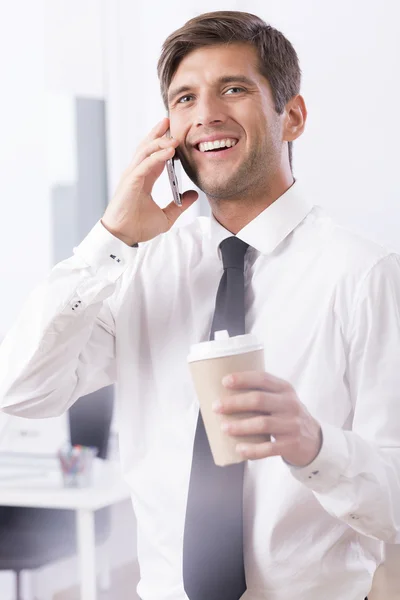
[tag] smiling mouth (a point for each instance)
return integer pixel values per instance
(225, 150)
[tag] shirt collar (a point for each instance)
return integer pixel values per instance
(269, 228)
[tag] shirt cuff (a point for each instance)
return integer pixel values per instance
(105, 253)
(326, 470)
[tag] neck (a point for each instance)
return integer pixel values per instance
(235, 213)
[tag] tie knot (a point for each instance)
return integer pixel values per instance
(233, 251)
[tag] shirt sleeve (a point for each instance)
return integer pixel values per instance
(356, 476)
(62, 346)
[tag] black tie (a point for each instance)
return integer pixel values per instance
(213, 567)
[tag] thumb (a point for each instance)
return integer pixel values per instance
(172, 211)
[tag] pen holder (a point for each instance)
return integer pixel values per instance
(76, 464)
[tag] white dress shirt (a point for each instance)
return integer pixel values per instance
(325, 303)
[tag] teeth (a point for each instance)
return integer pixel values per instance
(228, 143)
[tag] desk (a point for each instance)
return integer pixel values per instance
(108, 488)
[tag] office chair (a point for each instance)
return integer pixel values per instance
(31, 538)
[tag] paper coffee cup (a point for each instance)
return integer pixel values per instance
(209, 362)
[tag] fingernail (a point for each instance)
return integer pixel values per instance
(216, 406)
(227, 380)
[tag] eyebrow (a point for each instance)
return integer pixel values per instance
(225, 79)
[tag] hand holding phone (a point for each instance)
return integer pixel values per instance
(132, 215)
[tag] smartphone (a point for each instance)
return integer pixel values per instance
(173, 179)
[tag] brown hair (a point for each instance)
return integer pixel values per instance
(278, 61)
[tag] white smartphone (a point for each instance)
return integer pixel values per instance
(173, 179)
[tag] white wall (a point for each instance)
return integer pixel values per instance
(75, 47)
(50, 51)
(24, 218)
(348, 156)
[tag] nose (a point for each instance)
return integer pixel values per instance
(209, 111)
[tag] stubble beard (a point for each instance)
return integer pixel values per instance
(254, 172)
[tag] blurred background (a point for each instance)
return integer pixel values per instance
(79, 90)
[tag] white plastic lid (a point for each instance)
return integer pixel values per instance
(223, 345)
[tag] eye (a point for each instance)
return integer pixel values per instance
(235, 88)
(182, 99)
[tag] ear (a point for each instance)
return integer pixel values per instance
(295, 116)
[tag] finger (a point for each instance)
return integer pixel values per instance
(148, 164)
(254, 400)
(258, 380)
(150, 148)
(158, 130)
(262, 424)
(173, 211)
(262, 450)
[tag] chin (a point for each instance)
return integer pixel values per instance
(215, 191)
(221, 190)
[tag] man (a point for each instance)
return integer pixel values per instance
(320, 499)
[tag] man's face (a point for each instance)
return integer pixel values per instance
(218, 93)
